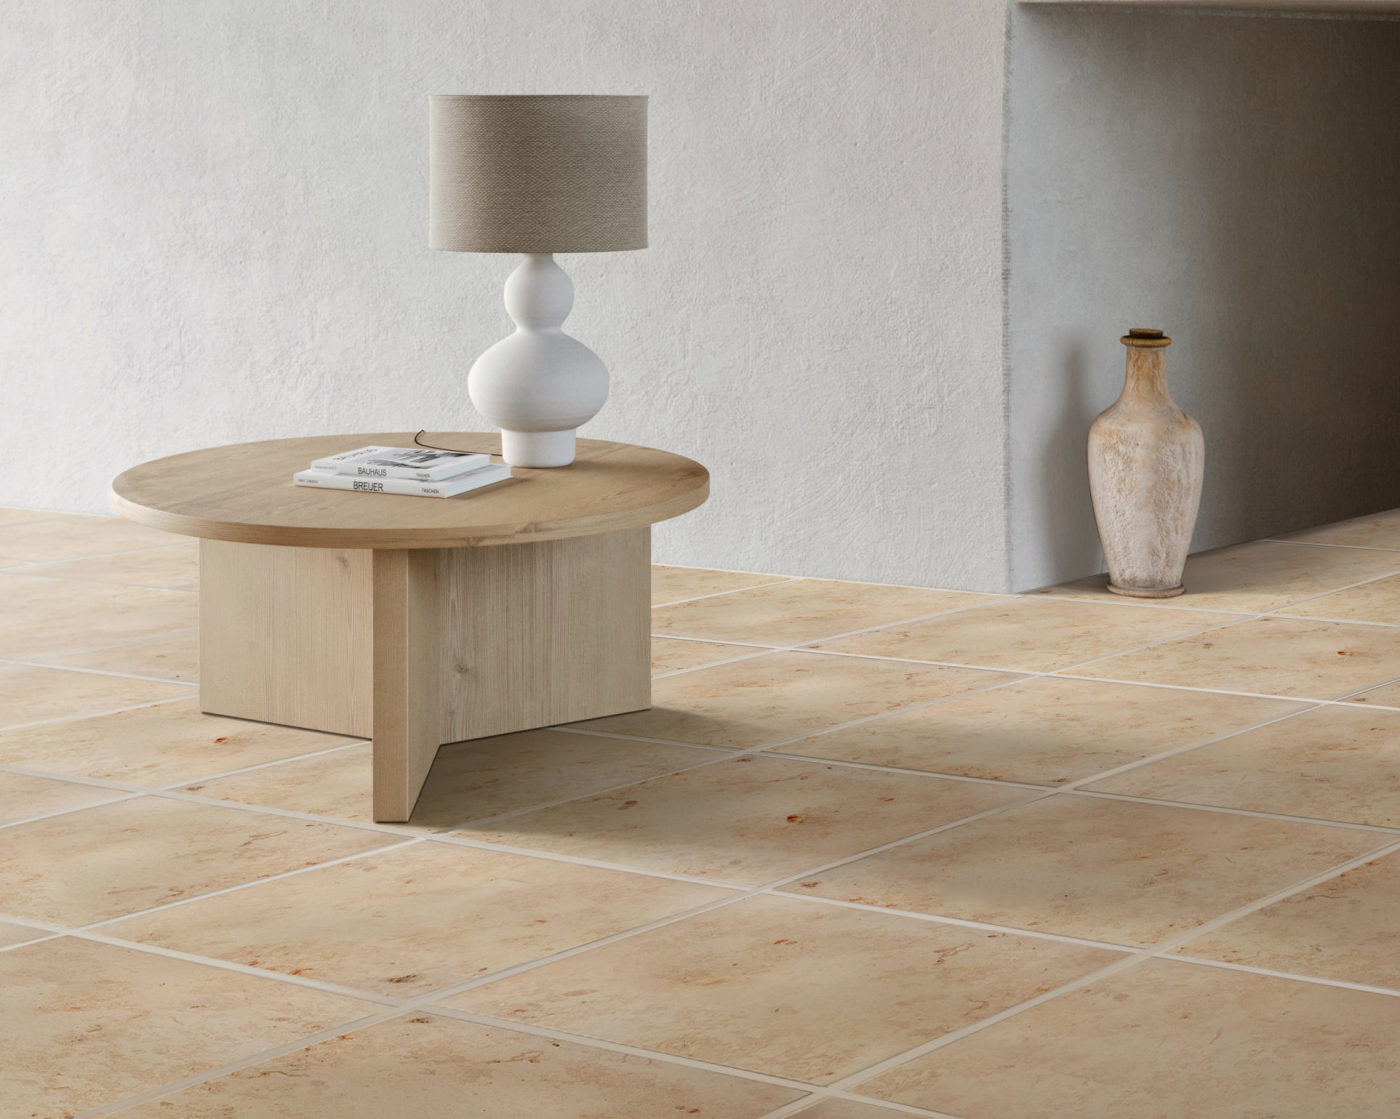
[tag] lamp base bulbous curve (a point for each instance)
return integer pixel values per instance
(538, 384)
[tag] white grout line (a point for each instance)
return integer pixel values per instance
(94, 714)
(1160, 950)
(1272, 973)
(1134, 798)
(775, 581)
(1328, 544)
(31, 565)
(179, 786)
(99, 672)
(239, 886)
(270, 1054)
(117, 798)
(147, 639)
(799, 1108)
(752, 655)
(151, 949)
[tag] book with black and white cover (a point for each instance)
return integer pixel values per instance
(418, 464)
(444, 487)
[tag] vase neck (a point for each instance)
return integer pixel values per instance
(1146, 378)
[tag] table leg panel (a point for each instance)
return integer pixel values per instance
(545, 633)
(284, 635)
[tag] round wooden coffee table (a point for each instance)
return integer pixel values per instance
(418, 621)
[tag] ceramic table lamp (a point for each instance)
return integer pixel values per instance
(538, 175)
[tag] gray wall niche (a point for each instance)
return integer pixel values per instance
(1234, 181)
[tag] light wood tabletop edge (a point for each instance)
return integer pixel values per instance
(410, 536)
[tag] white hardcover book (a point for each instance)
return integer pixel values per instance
(419, 464)
(446, 487)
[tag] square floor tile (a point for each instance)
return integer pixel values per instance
(175, 567)
(74, 537)
(789, 988)
(156, 746)
(429, 1065)
(30, 695)
(1268, 656)
(118, 858)
(1107, 870)
(412, 920)
(1332, 763)
(1258, 577)
(1042, 731)
(1344, 928)
(779, 696)
(1376, 530)
(675, 584)
(1378, 601)
(1167, 1040)
(668, 655)
(42, 617)
(803, 610)
(84, 1024)
(22, 797)
(748, 820)
(1026, 634)
(468, 781)
(173, 657)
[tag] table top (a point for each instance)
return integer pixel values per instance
(244, 493)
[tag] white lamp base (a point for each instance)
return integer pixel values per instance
(538, 448)
(538, 385)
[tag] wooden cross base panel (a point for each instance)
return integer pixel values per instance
(420, 647)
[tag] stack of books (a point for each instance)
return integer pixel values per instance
(415, 471)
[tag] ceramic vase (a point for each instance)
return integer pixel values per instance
(1146, 465)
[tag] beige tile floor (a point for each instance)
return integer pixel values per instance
(874, 852)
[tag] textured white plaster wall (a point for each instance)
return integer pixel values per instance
(214, 229)
(1233, 181)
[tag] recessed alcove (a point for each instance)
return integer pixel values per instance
(1232, 177)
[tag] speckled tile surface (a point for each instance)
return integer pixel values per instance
(469, 780)
(82, 1024)
(676, 584)
(835, 882)
(174, 656)
(749, 820)
(800, 611)
(1108, 870)
(1026, 634)
(73, 537)
(1329, 763)
(1344, 928)
(426, 1064)
(779, 696)
(162, 744)
(778, 984)
(30, 695)
(414, 919)
(1042, 731)
(23, 796)
(1166, 1040)
(174, 567)
(1261, 577)
(1270, 656)
(113, 859)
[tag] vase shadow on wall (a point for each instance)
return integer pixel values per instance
(1069, 534)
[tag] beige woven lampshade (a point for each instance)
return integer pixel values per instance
(537, 174)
